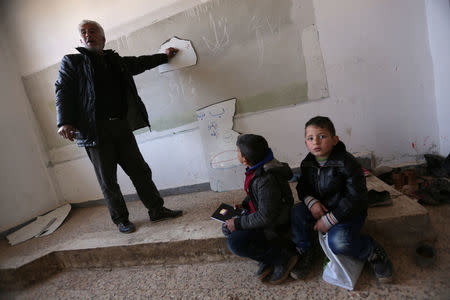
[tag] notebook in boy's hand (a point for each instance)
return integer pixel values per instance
(226, 211)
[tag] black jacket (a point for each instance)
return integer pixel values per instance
(75, 92)
(340, 184)
(271, 197)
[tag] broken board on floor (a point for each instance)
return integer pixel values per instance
(43, 225)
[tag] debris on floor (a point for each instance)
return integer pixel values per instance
(43, 225)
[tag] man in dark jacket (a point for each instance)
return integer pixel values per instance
(262, 233)
(98, 105)
(333, 194)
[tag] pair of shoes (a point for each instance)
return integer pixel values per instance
(435, 165)
(381, 264)
(126, 227)
(263, 270)
(304, 264)
(435, 191)
(164, 214)
(281, 272)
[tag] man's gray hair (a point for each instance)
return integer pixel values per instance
(84, 22)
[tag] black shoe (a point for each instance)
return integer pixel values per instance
(164, 214)
(381, 264)
(435, 165)
(281, 272)
(263, 270)
(376, 198)
(126, 227)
(303, 265)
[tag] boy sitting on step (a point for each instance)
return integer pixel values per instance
(259, 235)
(333, 198)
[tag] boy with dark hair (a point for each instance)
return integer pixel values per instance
(259, 234)
(333, 198)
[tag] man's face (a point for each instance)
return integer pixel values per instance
(91, 37)
(319, 141)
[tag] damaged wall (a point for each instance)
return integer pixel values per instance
(26, 186)
(378, 66)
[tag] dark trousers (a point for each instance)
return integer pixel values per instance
(343, 238)
(117, 146)
(253, 244)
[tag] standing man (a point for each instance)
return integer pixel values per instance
(98, 105)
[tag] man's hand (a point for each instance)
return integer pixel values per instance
(67, 132)
(230, 225)
(320, 226)
(318, 210)
(171, 52)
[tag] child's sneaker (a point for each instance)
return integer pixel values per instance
(263, 270)
(281, 272)
(303, 265)
(381, 264)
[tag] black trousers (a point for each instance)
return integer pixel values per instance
(117, 146)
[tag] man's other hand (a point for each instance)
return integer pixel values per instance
(171, 52)
(67, 132)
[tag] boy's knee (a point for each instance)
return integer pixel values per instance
(299, 210)
(235, 244)
(226, 232)
(339, 243)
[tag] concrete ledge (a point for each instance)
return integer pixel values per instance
(179, 252)
(88, 239)
(405, 223)
(35, 271)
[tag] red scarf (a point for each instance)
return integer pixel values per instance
(248, 178)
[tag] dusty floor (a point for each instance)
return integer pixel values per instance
(233, 279)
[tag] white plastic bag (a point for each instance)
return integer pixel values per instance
(341, 270)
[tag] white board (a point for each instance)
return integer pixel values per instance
(219, 143)
(43, 225)
(315, 69)
(185, 57)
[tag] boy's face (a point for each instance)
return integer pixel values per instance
(319, 141)
(242, 159)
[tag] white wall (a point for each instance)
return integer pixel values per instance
(438, 14)
(377, 60)
(47, 29)
(26, 187)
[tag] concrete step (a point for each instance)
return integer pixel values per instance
(88, 239)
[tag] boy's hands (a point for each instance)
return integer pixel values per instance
(320, 226)
(318, 210)
(230, 225)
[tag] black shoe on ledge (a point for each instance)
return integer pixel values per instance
(126, 227)
(164, 214)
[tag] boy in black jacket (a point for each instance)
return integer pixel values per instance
(333, 198)
(260, 234)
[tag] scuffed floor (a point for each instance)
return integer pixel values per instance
(234, 280)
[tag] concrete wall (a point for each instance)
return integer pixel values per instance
(377, 59)
(26, 186)
(438, 14)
